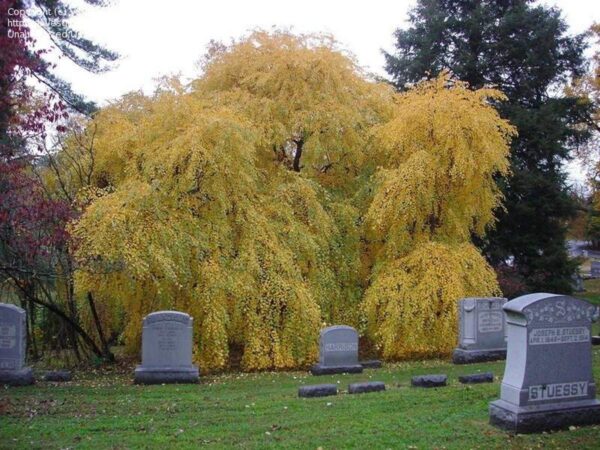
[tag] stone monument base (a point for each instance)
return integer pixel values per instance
(319, 369)
(371, 364)
(58, 376)
(23, 377)
(462, 356)
(167, 375)
(535, 419)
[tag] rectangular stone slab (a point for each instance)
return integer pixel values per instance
(368, 386)
(166, 375)
(371, 364)
(317, 390)
(319, 369)
(58, 376)
(428, 381)
(486, 377)
(462, 356)
(22, 377)
(535, 419)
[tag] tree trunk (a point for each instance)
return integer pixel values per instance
(105, 347)
(31, 316)
(299, 144)
(56, 310)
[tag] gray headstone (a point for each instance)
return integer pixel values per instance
(482, 330)
(167, 349)
(338, 351)
(595, 269)
(548, 381)
(13, 346)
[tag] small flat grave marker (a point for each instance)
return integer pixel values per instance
(58, 376)
(317, 390)
(371, 364)
(368, 386)
(428, 381)
(486, 377)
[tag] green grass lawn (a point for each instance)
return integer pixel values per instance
(592, 291)
(592, 295)
(105, 410)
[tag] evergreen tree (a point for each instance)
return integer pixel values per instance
(26, 108)
(524, 50)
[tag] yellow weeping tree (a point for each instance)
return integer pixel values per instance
(434, 189)
(284, 190)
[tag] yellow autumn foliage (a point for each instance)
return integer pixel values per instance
(300, 90)
(411, 304)
(284, 190)
(434, 189)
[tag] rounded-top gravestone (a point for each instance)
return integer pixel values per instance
(167, 349)
(13, 347)
(548, 381)
(338, 351)
(482, 330)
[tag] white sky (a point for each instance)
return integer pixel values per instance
(157, 37)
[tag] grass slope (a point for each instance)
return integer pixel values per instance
(105, 410)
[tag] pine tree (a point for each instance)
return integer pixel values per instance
(523, 50)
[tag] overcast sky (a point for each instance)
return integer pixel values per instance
(157, 37)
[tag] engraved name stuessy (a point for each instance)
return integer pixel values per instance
(558, 390)
(565, 335)
(341, 347)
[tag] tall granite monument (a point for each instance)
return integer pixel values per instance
(13, 347)
(482, 330)
(338, 351)
(167, 349)
(548, 381)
